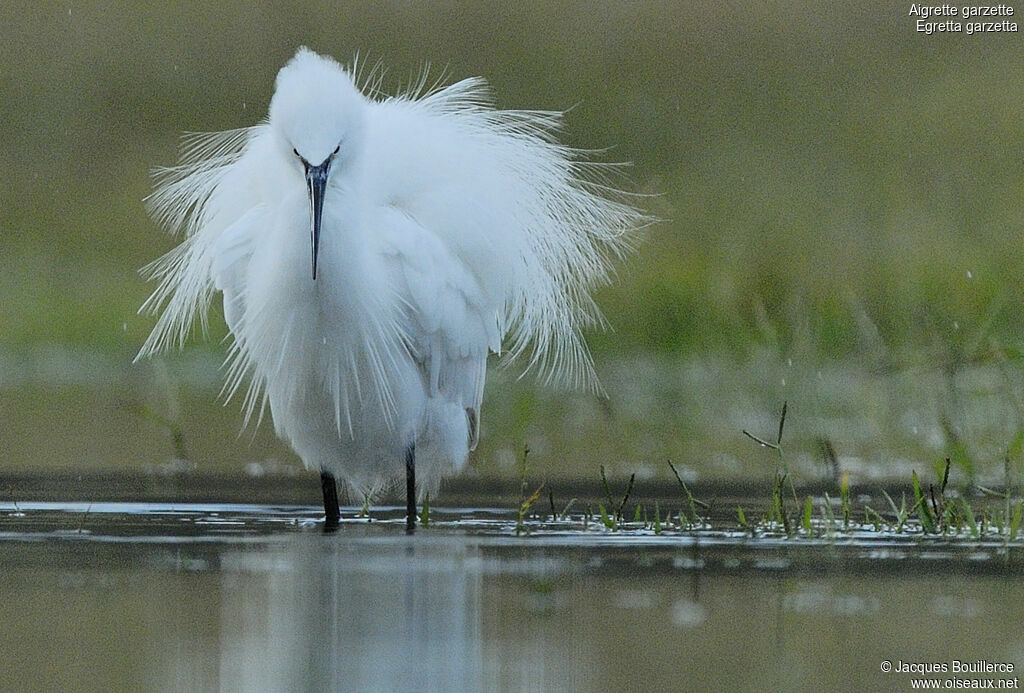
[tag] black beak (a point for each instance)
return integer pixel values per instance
(316, 180)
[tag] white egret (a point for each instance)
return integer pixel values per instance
(371, 252)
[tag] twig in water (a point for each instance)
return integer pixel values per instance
(617, 508)
(85, 515)
(693, 502)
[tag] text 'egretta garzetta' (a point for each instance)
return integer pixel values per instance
(371, 252)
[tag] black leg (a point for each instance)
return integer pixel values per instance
(410, 489)
(331, 511)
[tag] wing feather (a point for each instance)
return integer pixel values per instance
(181, 202)
(450, 324)
(535, 224)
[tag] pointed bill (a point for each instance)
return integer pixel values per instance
(316, 181)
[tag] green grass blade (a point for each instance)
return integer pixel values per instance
(875, 518)
(1015, 521)
(568, 506)
(425, 512)
(924, 513)
(844, 499)
(829, 515)
(972, 524)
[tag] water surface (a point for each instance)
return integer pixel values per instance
(217, 596)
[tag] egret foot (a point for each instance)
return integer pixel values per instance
(410, 489)
(331, 511)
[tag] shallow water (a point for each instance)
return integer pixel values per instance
(186, 596)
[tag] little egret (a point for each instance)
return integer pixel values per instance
(371, 252)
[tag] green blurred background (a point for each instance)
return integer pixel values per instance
(842, 200)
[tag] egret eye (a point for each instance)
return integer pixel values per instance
(296, 152)
(336, 150)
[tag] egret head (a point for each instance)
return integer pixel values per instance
(316, 115)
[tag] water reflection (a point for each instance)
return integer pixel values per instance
(330, 614)
(202, 599)
(393, 614)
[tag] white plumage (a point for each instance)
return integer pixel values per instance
(449, 230)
